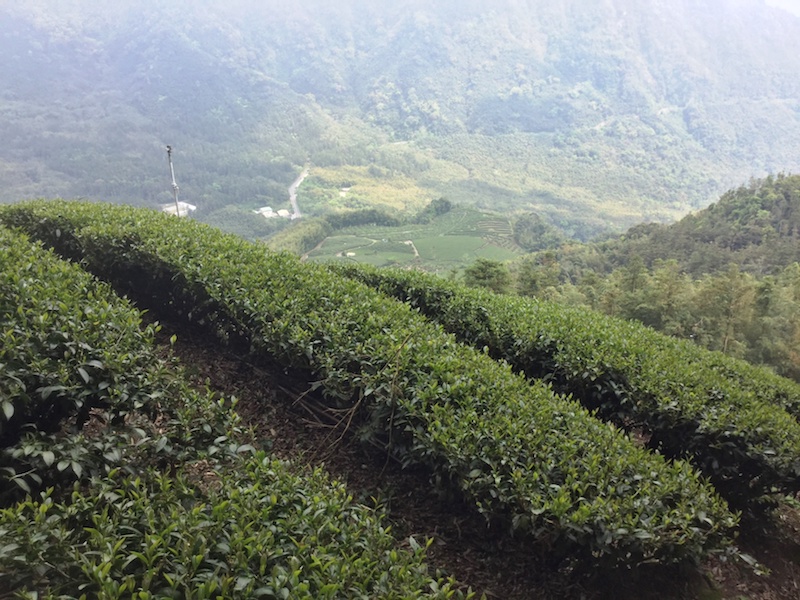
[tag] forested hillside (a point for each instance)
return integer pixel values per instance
(598, 115)
(755, 226)
(725, 277)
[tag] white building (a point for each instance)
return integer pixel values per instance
(183, 209)
(266, 212)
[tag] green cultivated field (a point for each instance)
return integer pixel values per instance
(448, 242)
(115, 510)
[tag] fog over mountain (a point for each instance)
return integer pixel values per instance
(596, 114)
(793, 6)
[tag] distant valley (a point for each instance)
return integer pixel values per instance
(582, 379)
(594, 115)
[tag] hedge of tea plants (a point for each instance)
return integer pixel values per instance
(56, 322)
(73, 351)
(727, 417)
(762, 382)
(519, 453)
(257, 530)
(156, 498)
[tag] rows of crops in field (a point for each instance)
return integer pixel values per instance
(116, 509)
(518, 452)
(449, 241)
(732, 420)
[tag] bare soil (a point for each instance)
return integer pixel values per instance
(284, 415)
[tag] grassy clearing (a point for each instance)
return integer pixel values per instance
(359, 187)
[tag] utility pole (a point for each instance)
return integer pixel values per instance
(174, 185)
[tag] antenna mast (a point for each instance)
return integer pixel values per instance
(174, 185)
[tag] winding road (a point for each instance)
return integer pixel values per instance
(293, 194)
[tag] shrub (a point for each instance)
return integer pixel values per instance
(72, 350)
(57, 364)
(168, 502)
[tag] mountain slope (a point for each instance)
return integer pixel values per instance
(596, 114)
(754, 226)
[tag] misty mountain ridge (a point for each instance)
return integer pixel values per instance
(597, 115)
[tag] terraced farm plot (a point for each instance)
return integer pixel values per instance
(450, 241)
(521, 455)
(342, 244)
(450, 248)
(365, 250)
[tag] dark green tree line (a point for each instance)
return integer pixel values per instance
(738, 313)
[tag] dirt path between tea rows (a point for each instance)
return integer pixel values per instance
(287, 420)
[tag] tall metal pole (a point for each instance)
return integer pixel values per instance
(174, 185)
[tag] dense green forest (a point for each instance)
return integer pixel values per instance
(755, 226)
(597, 116)
(726, 277)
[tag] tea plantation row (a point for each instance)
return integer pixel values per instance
(729, 418)
(226, 522)
(519, 453)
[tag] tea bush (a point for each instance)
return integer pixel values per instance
(72, 350)
(520, 453)
(256, 530)
(165, 499)
(727, 417)
(57, 364)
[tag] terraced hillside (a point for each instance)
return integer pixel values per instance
(120, 480)
(512, 447)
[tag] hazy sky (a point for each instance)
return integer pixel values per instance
(790, 5)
